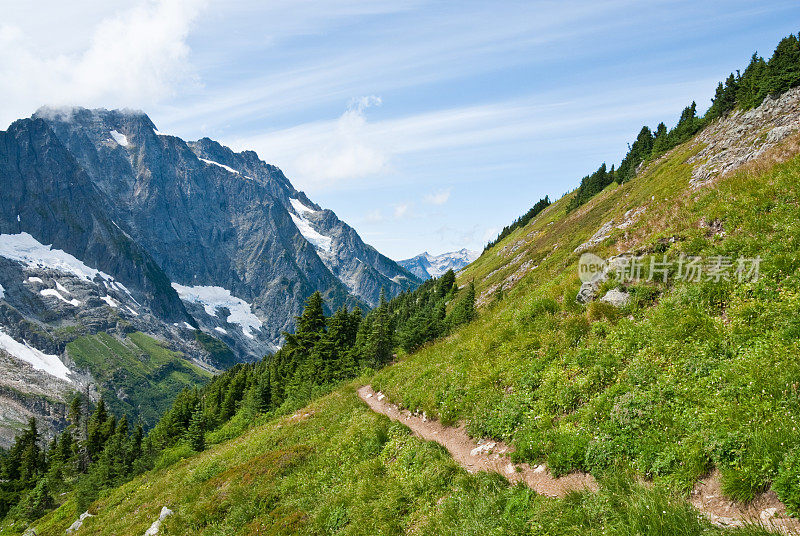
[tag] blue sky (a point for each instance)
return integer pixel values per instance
(425, 125)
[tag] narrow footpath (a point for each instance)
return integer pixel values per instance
(486, 455)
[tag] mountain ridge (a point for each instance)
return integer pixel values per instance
(426, 265)
(187, 242)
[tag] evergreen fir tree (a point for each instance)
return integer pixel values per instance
(660, 141)
(97, 431)
(379, 344)
(196, 432)
(783, 68)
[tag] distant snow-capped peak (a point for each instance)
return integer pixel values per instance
(426, 265)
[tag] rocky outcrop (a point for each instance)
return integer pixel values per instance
(616, 297)
(740, 137)
(591, 286)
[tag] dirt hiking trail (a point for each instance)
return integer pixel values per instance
(488, 455)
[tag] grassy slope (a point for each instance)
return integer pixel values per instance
(345, 470)
(149, 374)
(706, 375)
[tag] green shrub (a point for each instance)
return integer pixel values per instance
(542, 306)
(602, 453)
(173, 455)
(575, 328)
(598, 310)
(497, 417)
(743, 484)
(644, 295)
(787, 484)
(567, 451)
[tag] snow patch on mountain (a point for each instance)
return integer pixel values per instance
(2, 291)
(56, 294)
(26, 249)
(318, 240)
(223, 166)
(120, 138)
(213, 298)
(39, 360)
(110, 301)
(299, 207)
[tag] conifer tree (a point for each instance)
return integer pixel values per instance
(196, 432)
(783, 68)
(30, 455)
(379, 344)
(751, 90)
(660, 141)
(97, 430)
(445, 283)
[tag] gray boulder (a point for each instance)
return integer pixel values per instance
(156, 526)
(616, 297)
(78, 523)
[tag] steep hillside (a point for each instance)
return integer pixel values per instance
(668, 377)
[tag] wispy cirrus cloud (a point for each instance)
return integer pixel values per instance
(374, 216)
(503, 102)
(353, 151)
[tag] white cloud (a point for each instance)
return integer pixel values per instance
(134, 59)
(343, 150)
(438, 198)
(374, 216)
(457, 237)
(400, 210)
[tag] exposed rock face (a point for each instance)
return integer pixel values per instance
(213, 217)
(589, 289)
(48, 194)
(602, 233)
(426, 265)
(107, 225)
(742, 136)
